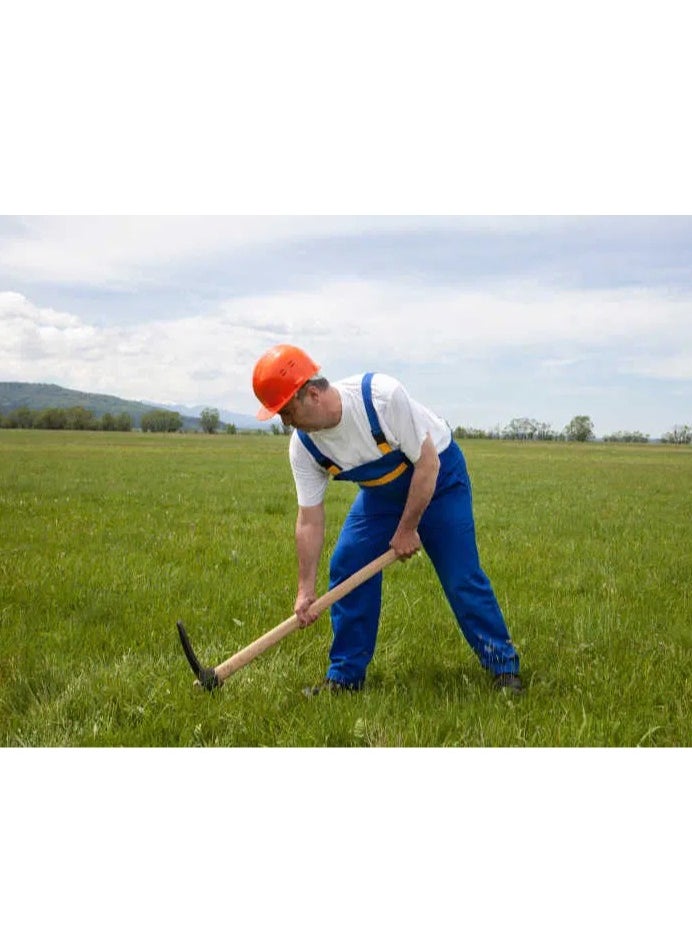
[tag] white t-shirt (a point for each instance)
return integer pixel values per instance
(405, 424)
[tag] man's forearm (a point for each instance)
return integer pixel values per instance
(406, 541)
(420, 494)
(309, 543)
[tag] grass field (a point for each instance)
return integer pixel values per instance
(107, 539)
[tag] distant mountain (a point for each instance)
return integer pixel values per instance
(38, 396)
(227, 417)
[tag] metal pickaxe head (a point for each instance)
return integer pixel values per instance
(206, 677)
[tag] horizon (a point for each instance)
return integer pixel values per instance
(192, 412)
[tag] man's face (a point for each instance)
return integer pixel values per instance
(303, 413)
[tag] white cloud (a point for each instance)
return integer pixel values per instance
(161, 360)
(415, 324)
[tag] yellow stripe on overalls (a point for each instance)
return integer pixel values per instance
(397, 472)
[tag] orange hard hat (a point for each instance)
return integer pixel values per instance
(278, 375)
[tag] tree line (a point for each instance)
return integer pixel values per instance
(580, 428)
(79, 418)
(69, 419)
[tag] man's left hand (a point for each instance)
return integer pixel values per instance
(405, 543)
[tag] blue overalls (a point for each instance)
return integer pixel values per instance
(447, 534)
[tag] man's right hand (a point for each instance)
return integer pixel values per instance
(302, 609)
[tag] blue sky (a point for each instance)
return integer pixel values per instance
(483, 318)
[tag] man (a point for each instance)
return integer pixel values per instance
(415, 492)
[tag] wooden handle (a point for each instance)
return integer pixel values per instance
(247, 654)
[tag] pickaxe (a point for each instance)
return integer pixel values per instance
(211, 678)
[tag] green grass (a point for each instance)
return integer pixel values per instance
(107, 539)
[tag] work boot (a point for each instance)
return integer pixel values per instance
(333, 687)
(509, 681)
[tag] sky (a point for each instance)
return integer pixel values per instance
(483, 318)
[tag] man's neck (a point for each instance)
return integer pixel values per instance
(333, 407)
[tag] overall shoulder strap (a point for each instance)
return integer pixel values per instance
(374, 421)
(321, 459)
